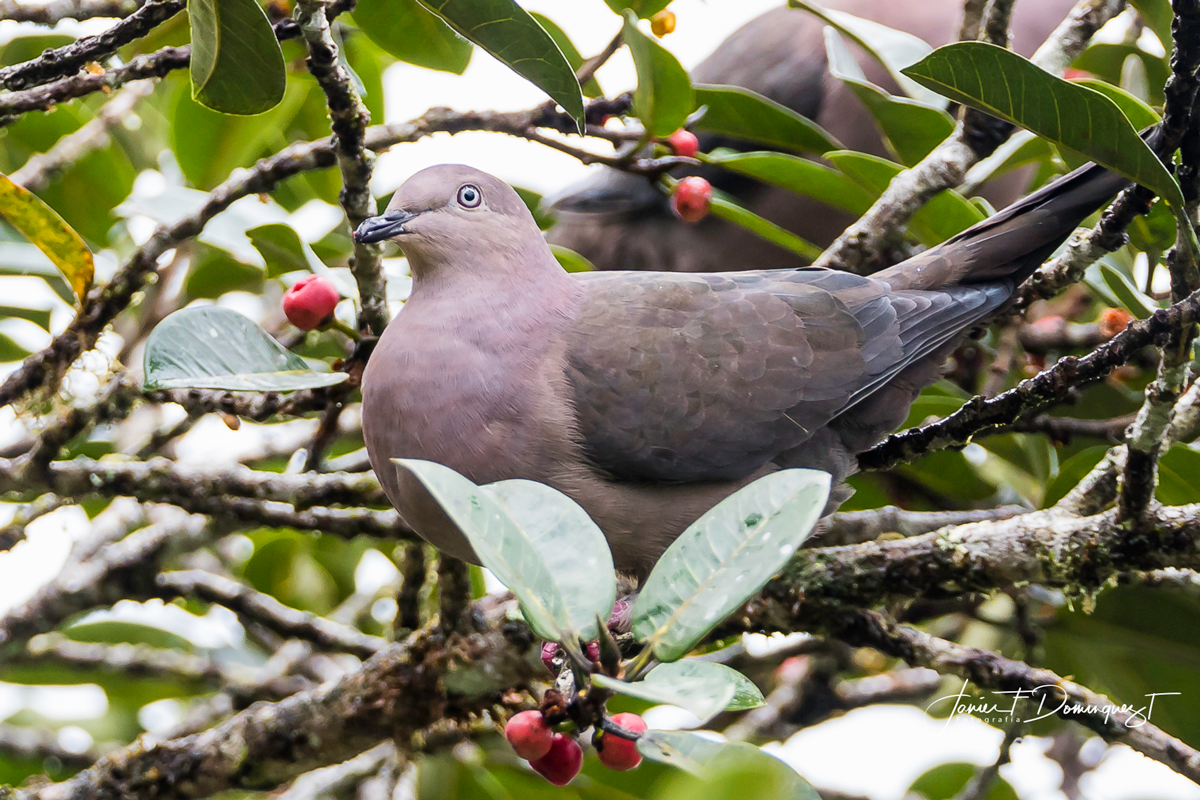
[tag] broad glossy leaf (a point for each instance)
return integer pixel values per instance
(504, 29)
(798, 175)
(216, 348)
(725, 207)
(569, 51)
(572, 547)
(537, 541)
(745, 694)
(1008, 86)
(943, 216)
(1130, 298)
(664, 97)
(367, 62)
(47, 230)
(910, 128)
(1139, 114)
(212, 272)
(643, 8)
(746, 116)
(237, 66)
(570, 260)
(724, 557)
(284, 250)
(893, 49)
(703, 696)
(412, 33)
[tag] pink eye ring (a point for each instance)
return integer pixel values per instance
(469, 196)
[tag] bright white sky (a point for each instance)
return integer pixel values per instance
(899, 742)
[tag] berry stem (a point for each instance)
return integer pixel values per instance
(338, 325)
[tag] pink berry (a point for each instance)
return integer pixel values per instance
(684, 143)
(310, 301)
(529, 735)
(562, 763)
(692, 199)
(615, 752)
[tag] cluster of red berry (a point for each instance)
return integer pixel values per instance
(692, 197)
(557, 757)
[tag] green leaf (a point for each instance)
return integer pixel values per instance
(946, 781)
(569, 51)
(216, 348)
(572, 547)
(1135, 110)
(683, 750)
(722, 770)
(1131, 299)
(570, 260)
(20, 258)
(703, 696)
(1008, 86)
(724, 557)
(947, 214)
(895, 50)
(643, 8)
(284, 250)
(1106, 60)
(537, 541)
(412, 33)
(743, 115)
(1157, 14)
(745, 694)
(1138, 640)
(50, 233)
(664, 97)
(10, 350)
(214, 271)
(1071, 472)
(208, 144)
(237, 66)
(798, 175)
(725, 207)
(506, 31)
(1179, 476)
(38, 316)
(910, 128)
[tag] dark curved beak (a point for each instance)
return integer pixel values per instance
(382, 228)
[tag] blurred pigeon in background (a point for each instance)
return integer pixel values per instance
(622, 221)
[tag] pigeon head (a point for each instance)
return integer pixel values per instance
(444, 213)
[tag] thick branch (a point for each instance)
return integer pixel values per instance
(69, 59)
(52, 12)
(395, 695)
(269, 612)
(349, 122)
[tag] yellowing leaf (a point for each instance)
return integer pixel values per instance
(51, 234)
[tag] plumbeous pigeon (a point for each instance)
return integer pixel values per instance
(621, 221)
(647, 397)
